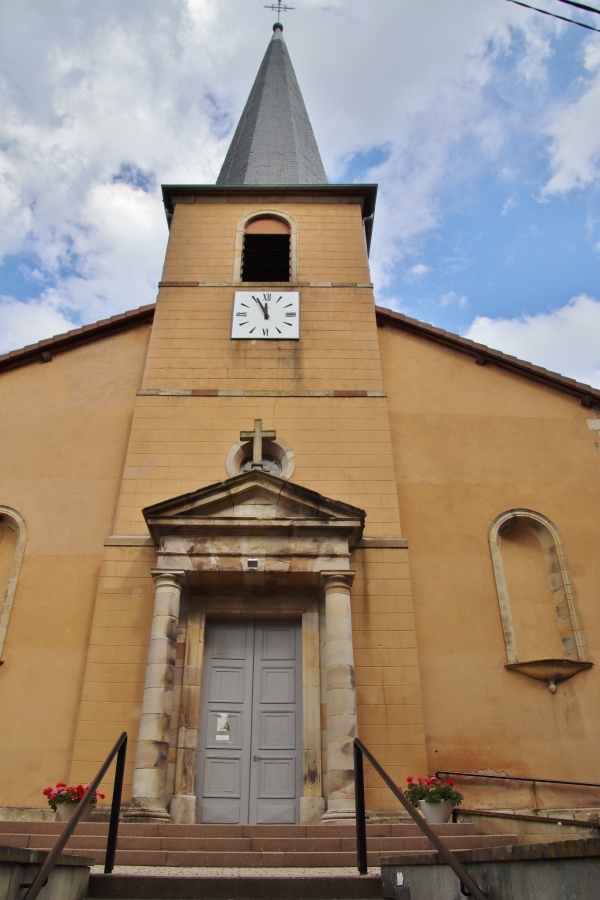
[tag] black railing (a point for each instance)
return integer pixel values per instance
(360, 750)
(120, 751)
(445, 772)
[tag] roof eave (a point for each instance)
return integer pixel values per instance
(483, 355)
(44, 351)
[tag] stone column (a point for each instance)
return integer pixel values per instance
(312, 803)
(340, 693)
(183, 803)
(148, 801)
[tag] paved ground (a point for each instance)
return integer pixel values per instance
(257, 872)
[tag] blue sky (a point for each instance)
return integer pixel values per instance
(479, 120)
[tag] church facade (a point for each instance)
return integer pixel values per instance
(266, 516)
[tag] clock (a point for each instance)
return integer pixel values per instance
(266, 315)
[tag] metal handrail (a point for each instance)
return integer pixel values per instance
(361, 830)
(120, 751)
(534, 781)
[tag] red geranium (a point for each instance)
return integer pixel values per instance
(64, 795)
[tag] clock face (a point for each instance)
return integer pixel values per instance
(266, 315)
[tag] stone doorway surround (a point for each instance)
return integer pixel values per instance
(252, 536)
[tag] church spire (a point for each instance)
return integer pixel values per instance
(274, 142)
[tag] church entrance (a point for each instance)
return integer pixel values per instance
(250, 741)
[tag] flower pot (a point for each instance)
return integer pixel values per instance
(436, 813)
(65, 811)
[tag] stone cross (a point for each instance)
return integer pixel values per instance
(257, 437)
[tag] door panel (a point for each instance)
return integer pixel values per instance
(250, 731)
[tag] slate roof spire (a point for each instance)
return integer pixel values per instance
(274, 142)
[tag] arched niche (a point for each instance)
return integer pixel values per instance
(13, 536)
(542, 630)
(262, 222)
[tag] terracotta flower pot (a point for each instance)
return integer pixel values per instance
(436, 813)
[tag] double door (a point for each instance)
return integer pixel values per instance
(250, 769)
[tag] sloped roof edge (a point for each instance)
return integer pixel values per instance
(43, 351)
(484, 355)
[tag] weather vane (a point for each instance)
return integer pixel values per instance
(280, 7)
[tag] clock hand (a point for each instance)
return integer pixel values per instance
(261, 306)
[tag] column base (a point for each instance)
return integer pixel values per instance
(311, 809)
(183, 809)
(333, 816)
(146, 810)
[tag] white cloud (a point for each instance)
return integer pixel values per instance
(575, 133)
(451, 298)
(418, 271)
(564, 340)
(27, 323)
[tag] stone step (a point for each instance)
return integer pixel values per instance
(232, 831)
(246, 846)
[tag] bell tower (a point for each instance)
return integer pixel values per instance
(265, 315)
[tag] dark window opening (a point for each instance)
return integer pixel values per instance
(266, 257)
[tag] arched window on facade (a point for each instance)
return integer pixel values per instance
(12, 547)
(542, 631)
(266, 251)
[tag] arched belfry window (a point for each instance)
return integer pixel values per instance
(266, 251)
(542, 631)
(12, 547)
(266, 248)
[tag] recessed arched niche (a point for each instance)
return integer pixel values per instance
(12, 547)
(542, 630)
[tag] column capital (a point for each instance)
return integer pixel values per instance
(170, 577)
(341, 578)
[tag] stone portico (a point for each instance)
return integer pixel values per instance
(252, 546)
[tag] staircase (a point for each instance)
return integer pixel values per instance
(241, 862)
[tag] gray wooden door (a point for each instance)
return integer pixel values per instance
(250, 768)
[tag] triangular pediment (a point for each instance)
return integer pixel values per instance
(254, 496)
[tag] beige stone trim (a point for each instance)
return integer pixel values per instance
(12, 519)
(226, 284)
(128, 540)
(150, 775)
(568, 621)
(383, 543)
(239, 240)
(215, 392)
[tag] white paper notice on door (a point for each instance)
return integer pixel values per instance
(223, 726)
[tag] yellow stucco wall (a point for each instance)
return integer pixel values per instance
(65, 426)
(323, 396)
(471, 442)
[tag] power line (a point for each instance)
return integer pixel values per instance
(554, 16)
(581, 6)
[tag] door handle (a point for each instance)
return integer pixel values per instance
(256, 758)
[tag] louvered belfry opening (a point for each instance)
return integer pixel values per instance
(266, 254)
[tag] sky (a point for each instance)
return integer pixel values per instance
(478, 119)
